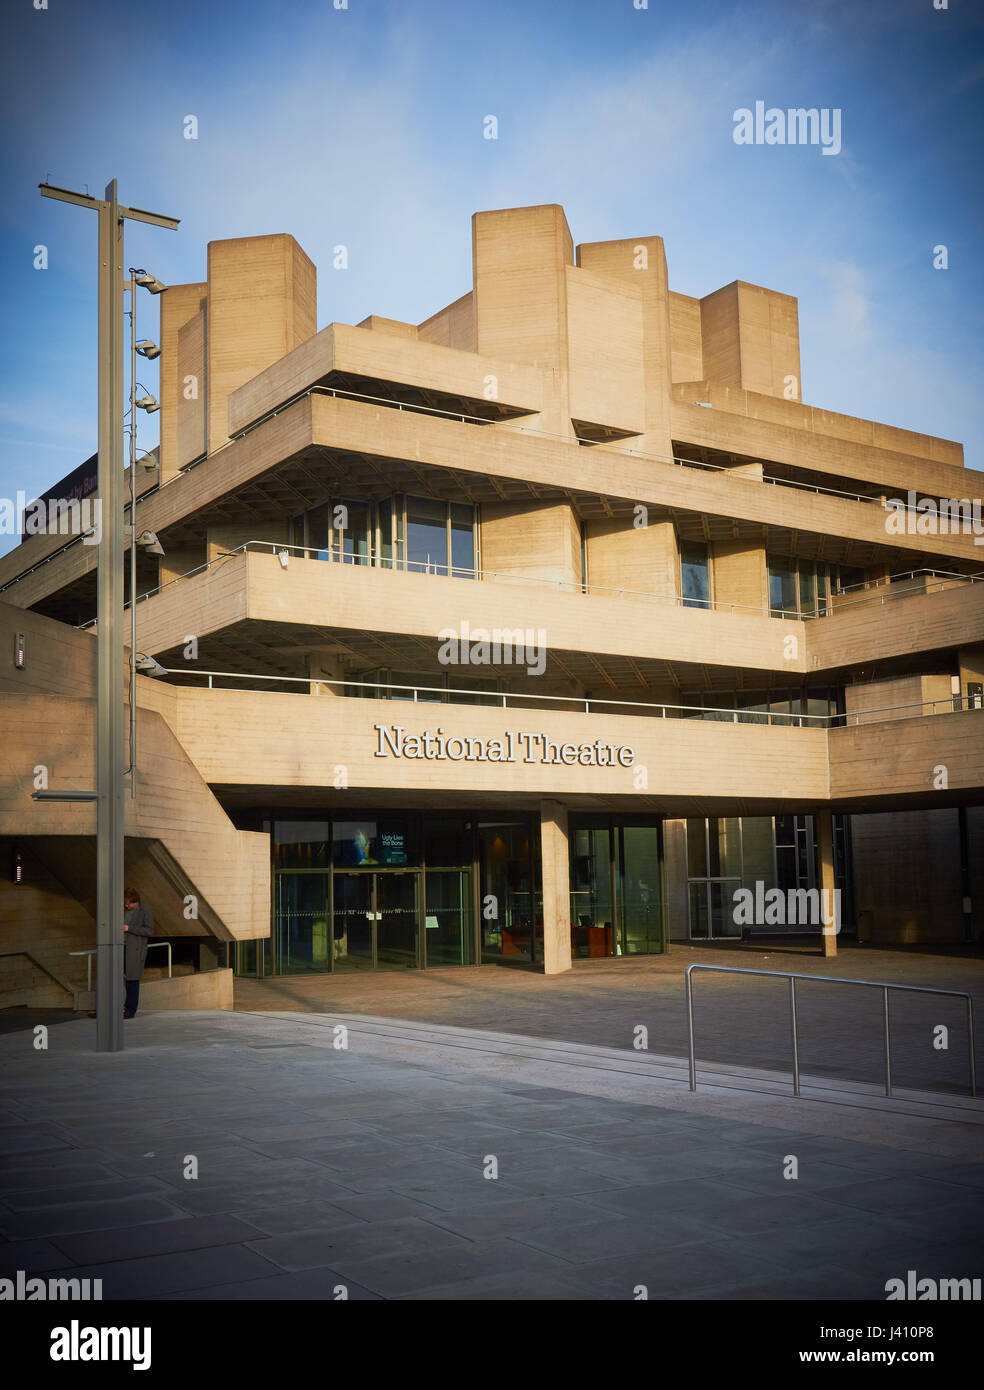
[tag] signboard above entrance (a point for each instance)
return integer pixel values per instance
(514, 746)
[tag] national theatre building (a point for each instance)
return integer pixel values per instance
(549, 628)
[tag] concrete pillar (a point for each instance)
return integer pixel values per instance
(555, 855)
(825, 837)
(182, 402)
(325, 664)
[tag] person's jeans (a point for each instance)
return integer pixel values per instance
(132, 995)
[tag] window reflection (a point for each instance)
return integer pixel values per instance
(695, 576)
(424, 534)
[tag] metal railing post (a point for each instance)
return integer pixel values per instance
(888, 1046)
(690, 1029)
(792, 1013)
(970, 1038)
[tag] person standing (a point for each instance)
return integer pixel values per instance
(138, 925)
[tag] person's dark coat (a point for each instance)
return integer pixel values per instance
(140, 926)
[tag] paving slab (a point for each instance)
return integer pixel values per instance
(157, 1238)
(94, 1216)
(356, 1240)
(156, 1276)
(395, 1275)
(313, 1285)
(364, 1171)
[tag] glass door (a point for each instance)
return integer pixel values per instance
(301, 935)
(375, 921)
(395, 920)
(352, 922)
(448, 934)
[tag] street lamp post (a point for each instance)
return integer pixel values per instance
(109, 608)
(151, 350)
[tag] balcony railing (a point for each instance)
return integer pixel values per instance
(464, 418)
(929, 581)
(878, 498)
(586, 704)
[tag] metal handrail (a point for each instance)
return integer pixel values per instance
(571, 586)
(167, 946)
(150, 946)
(88, 966)
(501, 696)
(954, 704)
(826, 979)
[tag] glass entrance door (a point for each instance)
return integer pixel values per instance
(711, 909)
(352, 922)
(375, 921)
(301, 938)
(396, 912)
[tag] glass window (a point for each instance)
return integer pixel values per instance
(785, 830)
(385, 516)
(699, 914)
(354, 517)
(756, 846)
(786, 867)
(387, 841)
(479, 684)
(301, 844)
(782, 589)
(808, 602)
(462, 540)
(447, 841)
(696, 847)
(592, 909)
(429, 687)
(511, 906)
(695, 576)
(724, 847)
(848, 576)
(322, 535)
(722, 909)
(427, 535)
(640, 890)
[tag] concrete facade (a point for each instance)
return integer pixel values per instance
(742, 664)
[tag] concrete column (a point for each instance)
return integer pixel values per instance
(325, 664)
(825, 836)
(555, 856)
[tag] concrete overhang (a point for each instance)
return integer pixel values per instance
(394, 618)
(392, 450)
(494, 387)
(803, 437)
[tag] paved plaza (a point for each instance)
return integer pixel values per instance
(738, 1019)
(424, 1159)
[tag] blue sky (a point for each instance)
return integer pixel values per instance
(364, 126)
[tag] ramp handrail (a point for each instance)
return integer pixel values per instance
(92, 952)
(826, 979)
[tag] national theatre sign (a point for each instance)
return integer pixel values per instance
(514, 746)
